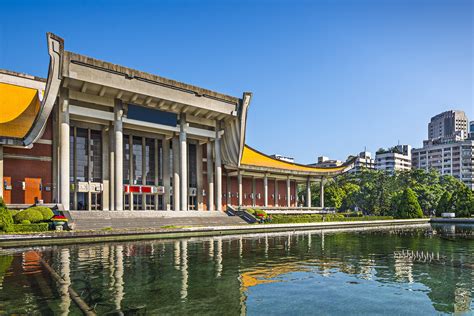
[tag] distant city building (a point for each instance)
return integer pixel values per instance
(363, 161)
(397, 158)
(455, 158)
(283, 158)
(448, 124)
(448, 148)
(325, 162)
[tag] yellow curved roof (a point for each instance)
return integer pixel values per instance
(252, 157)
(19, 107)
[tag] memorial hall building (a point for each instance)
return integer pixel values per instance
(98, 136)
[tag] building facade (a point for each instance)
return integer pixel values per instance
(455, 159)
(448, 124)
(397, 158)
(99, 136)
(448, 148)
(363, 161)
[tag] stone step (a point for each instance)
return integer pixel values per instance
(91, 223)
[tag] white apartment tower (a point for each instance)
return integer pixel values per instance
(397, 158)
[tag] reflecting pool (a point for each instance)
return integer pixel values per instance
(404, 271)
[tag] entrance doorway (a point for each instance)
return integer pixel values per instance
(7, 190)
(32, 190)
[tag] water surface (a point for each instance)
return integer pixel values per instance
(397, 271)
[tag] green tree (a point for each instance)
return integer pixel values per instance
(334, 196)
(463, 200)
(445, 203)
(408, 205)
(350, 199)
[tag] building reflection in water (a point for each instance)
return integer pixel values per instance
(65, 272)
(219, 257)
(162, 275)
(211, 248)
(184, 269)
(177, 254)
(118, 278)
(404, 269)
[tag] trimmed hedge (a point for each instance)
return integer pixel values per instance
(38, 227)
(32, 215)
(6, 220)
(314, 218)
(45, 212)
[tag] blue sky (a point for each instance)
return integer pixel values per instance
(328, 77)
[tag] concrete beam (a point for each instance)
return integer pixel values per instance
(120, 82)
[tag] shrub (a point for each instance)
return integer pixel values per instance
(14, 212)
(2, 203)
(314, 218)
(6, 220)
(45, 212)
(25, 222)
(32, 215)
(38, 227)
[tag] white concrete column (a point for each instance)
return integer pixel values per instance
(131, 169)
(265, 190)
(118, 130)
(166, 174)
(176, 174)
(183, 161)
(105, 169)
(288, 192)
(210, 178)
(144, 174)
(276, 193)
(321, 192)
(157, 175)
(308, 192)
(218, 164)
(239, 180)
(64, 149)
(199, 182)
(2, 184)
(111, 154)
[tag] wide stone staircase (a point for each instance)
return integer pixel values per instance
(99, 220)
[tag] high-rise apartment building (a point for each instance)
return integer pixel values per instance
(397, 158)
(448, 148)
(448, 124)
(455, 158)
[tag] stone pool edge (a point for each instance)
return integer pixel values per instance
(47, 239)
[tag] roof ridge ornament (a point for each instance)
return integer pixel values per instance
(53, 83)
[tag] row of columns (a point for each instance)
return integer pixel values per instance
(180, 163)
(265, 191)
